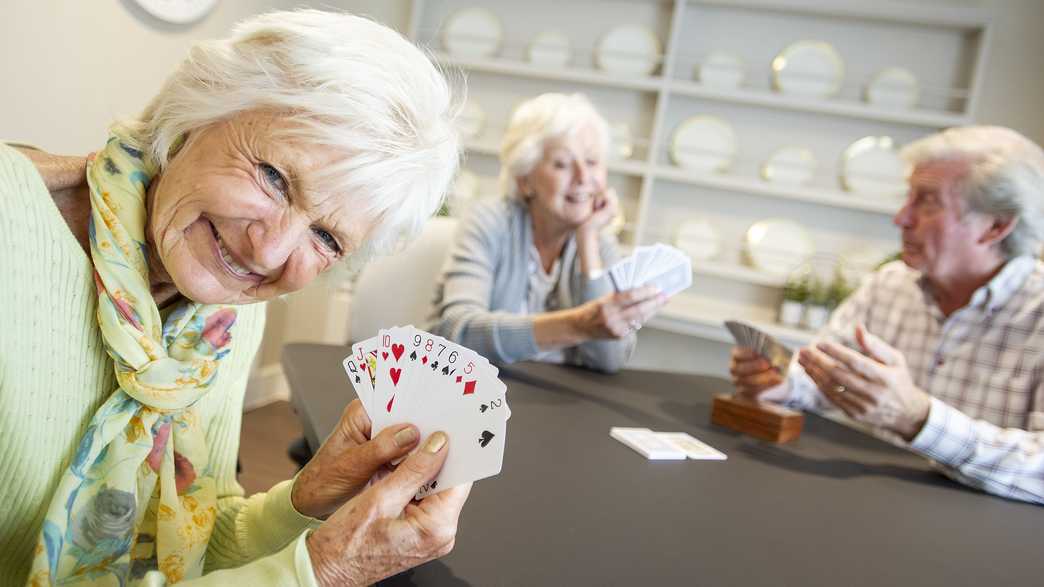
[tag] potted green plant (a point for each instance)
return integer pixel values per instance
(795, 294)
(838, 290)
(817, 308)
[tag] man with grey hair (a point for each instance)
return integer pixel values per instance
(954, 367)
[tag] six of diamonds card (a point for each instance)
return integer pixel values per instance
(407, 375)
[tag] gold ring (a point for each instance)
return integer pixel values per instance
(839, 389)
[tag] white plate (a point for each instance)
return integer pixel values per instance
(698, 239)
(621, 143)
(872, 166)
(894, 87)
(778, 246)
(550, 49)
(629, 50)
(790, 166)
(472, 120)
(808, 68)
(721, 70)
(704, 144)
(473, 32)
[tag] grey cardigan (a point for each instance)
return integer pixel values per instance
(483, 287)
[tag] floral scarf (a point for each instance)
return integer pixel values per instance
(139, 494)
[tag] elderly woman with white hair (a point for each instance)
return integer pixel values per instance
(128, 302)
(525, 277)
(954, 369)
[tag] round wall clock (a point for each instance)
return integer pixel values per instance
(177, 11)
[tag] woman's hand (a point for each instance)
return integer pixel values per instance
(755, 377)
(618, 314)
(603, 210)
(382, 531)
(347, 461)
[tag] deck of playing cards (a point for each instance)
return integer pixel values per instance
(407, 375)
(762, 343)
(661, 265)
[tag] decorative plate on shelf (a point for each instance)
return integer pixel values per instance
(621, 142)
(872, 166)
(698, 239)
(721, 70)
(473, 32)
(790, 166)
(893, 87)
(472, 120)
(177, 11)
(778, 246)
(630, 50)
(550, 49)
(808, 68)
(704, 144)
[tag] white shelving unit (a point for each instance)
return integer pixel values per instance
(943, 42)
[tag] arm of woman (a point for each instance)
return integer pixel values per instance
(464, 296)
(597, 251)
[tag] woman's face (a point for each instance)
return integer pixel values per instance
(234, 218)
(564, 182)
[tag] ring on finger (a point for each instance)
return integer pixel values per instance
(839, 389)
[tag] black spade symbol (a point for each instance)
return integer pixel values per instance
(486, 437)
(357, 379)
(433, 484)
(445, 370)
(483, 408)
(413, 356)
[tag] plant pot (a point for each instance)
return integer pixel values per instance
(791, 312)
(816, 316)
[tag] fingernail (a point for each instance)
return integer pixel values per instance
(406, 437)
(435, 442)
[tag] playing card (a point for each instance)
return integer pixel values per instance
(660, 265)
(365, 355)
(762, 343)
(672, 280)
(646, 443)
(359, 379)
(693, 448)
(391, 382)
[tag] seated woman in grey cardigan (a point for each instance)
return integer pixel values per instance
(525, 277)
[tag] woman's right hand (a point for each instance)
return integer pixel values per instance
(754, 376)
(382, 531)
(616, 315)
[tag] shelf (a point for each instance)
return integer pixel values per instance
(523, 69)
(622, 167)
(923, 13)
(737, 273)
(849, 109)
(696, 316)
(815, 195)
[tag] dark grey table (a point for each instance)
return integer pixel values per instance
(575, 507)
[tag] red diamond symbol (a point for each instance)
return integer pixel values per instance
(469, 387)
(459, 378)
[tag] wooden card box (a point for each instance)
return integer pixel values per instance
(760, 420)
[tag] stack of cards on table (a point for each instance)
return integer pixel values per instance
(665, 445)
(405, 375)
(660, 265)
(763, 344)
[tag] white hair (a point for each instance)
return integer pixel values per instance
(539, 120)
(1005, 178)
(350, 85)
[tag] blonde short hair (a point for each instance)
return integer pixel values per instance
(1005, 178)
(537, 121)
(351, 85)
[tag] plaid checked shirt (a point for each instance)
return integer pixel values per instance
(982, 365)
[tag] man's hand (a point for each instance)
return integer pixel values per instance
(874, 387)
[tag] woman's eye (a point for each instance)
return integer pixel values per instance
(274, 178)
(328, 240)
(592, 162)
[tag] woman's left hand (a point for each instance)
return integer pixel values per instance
(603, 210)
(347, 461)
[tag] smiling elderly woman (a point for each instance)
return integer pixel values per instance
(127, 301)
(525, 278)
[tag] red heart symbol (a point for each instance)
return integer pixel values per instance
(397, 350)
(390, 402)
(384, 354)
(469, 387)
(395, 373)
(424, 360)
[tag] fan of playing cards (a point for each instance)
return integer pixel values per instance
(762, 343)
(408, 375)
(660, 265)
